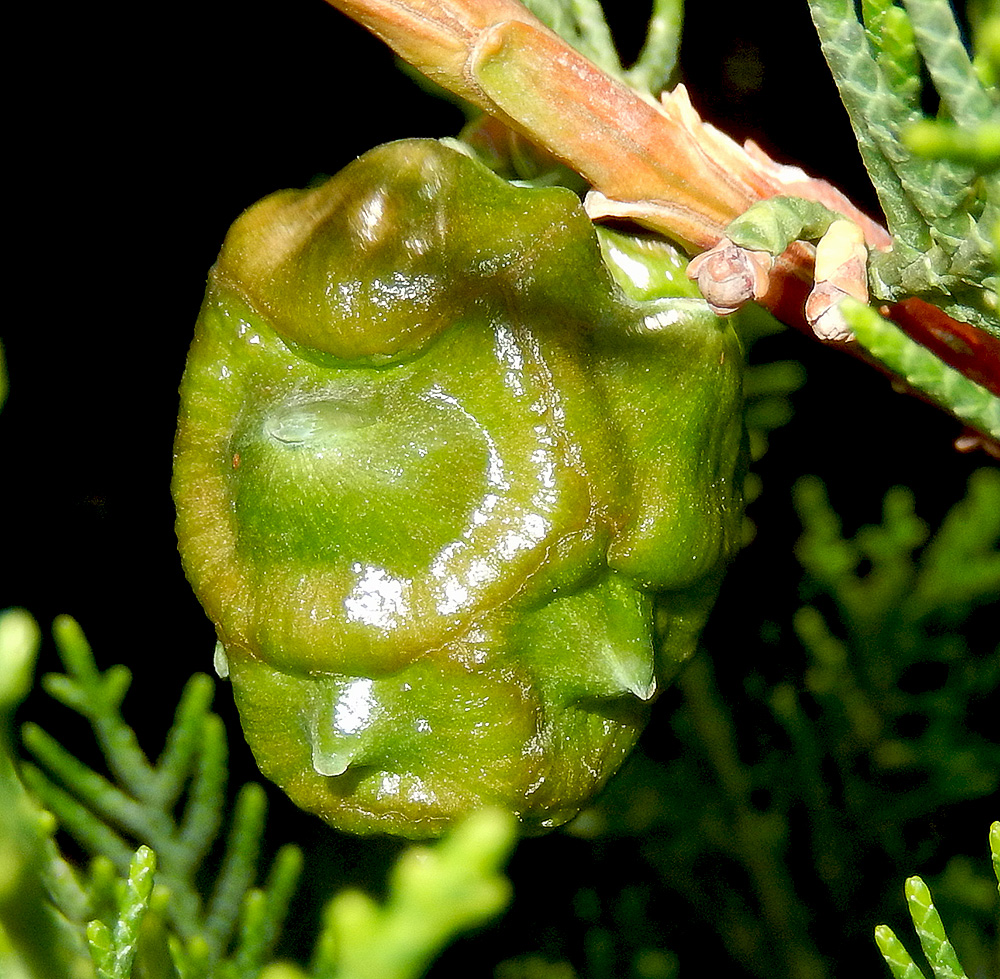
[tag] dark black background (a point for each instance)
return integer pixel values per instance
(143, 130)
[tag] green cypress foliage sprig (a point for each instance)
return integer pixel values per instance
(927, 923)
(113, 949)
(581, 23)
(434, 893)
(136, 803)
(940, 207)
(890, 35)
(140, 913)
(922, 370)
(875, 109)
(35, 940)
(901, 602)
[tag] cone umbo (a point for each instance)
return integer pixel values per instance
(455, 481)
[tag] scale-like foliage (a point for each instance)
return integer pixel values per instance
(891, 37)
(581, 23)
(939, 213)
(142, 913)
(136, 802)
(908, 359)
(937, 949)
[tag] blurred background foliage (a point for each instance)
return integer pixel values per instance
(837, 733)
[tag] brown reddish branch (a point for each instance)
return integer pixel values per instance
(652, 162)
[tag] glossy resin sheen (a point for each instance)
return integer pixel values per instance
(455, 489)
